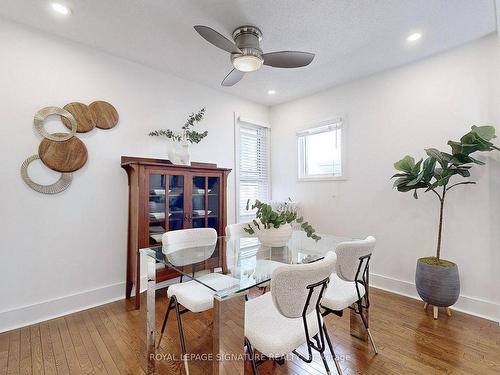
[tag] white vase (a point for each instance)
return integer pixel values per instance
(172, 151)
(275, 237)
(178, 153)
(184, 154)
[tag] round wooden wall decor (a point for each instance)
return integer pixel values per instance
(67, 156)
(58, 186)
(105, 114)
(84, 117)
(43, 113)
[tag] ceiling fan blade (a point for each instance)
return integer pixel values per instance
(233, 77)
(217, 39)
(288, 59)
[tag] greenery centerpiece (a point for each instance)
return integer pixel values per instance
(437, 279)
(187, 136)
(274, 227)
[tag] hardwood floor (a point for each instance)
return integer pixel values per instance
(110, 339)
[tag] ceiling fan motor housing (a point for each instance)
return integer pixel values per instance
(247, 39)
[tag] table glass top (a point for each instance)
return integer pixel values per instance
(245, 262)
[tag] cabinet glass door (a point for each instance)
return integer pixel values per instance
(199, 202)
(213, 203)
(157, 207)
(205, 202)
(166, 205)
(176, 202)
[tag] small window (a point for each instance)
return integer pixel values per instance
(321, 152)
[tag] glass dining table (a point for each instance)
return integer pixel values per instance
(248, 263)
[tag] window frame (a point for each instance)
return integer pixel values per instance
(317, 128)
(240, 121)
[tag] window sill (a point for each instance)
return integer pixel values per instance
(324, 178)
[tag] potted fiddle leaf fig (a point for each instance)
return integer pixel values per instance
(437, 280)
(273, 228)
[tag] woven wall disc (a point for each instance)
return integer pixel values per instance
(105, 114)
(58, 186)
(84, 117)
(47, 111)
(67, 156)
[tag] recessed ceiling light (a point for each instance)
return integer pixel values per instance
(414, 37)
(271, 92)
(61, 9)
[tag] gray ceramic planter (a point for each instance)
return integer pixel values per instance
(437, 285)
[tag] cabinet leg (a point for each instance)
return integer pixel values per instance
(128, 289)
(435, 310)
(138, 282)
(137, 299)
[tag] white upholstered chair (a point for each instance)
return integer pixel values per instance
(199, 244)
(279, 322)
(348, 288)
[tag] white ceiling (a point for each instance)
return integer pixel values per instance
(351, 38)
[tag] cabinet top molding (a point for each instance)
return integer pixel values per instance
(128, 160)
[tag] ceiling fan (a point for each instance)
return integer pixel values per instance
(246, 55)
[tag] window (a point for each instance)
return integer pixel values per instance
(321, 152)
(253, 168)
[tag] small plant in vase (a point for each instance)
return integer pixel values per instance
(437, 280)
(186, 137)
(273, 228)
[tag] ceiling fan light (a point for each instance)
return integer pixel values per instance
(247, 63)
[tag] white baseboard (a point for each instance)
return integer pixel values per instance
(54, 308)
(57, 307)
(470, 305)
(50, 309)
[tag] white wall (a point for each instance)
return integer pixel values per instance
(388, 116)
(65, 252)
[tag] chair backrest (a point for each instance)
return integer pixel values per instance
(291, 285)
(200, 242)
(235, 231)
(348, 254)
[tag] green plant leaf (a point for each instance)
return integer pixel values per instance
(463, 172)
(416, 168)
(400, 175)
(442, 158)
(405, 165)
(400, 181)
(478, 162)
(404, 188)
(417, 179)
(485, 132)
(428, 169)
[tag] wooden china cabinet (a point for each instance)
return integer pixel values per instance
(164, 197)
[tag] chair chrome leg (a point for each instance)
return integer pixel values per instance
(335, 359)
(371, 340)
(181, 335)
(251, 354)
(368, 330)
(170, 306)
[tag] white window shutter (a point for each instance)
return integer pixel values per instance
(253, 166)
